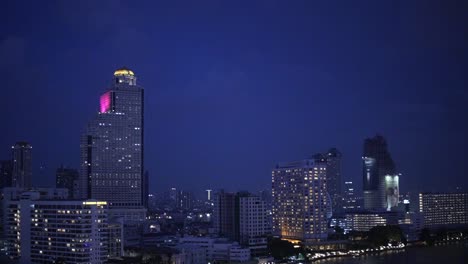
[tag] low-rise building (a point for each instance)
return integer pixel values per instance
(47, 230)
(444, 209)
(218, 249)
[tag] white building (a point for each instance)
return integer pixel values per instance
(252, 224)
(42, 230)
(300, 202)
(218, 249)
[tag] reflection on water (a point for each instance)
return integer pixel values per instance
(452, 254)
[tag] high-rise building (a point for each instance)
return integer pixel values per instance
(349, 197)
(333, 157)
(6, 171)
(22, 165)
(145, 192)
(392, 191)
(377, 164)
(112, 148)
(333, 160)
(43, 228)
(300, 203)
(444, 209)
(251, 218)
(65, 178)
(241, 217)
(224, 217)
(184, 200)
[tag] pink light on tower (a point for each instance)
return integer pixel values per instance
(105, 102)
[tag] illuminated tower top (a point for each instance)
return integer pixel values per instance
(124, 76)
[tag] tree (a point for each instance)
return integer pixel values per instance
(382, 235)
(426, 237)
(280, 249)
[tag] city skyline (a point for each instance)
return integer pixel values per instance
(213, 119)
(253, 132)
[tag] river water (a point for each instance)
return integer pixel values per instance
(448, 254)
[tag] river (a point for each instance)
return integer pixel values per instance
(448, 254)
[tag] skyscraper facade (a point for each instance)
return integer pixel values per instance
(22, 165)
(145, 192)
(224, 219)
(300, 203)
(112, 146)
(241, 217)
(349, 197)
(65, 178)
(334, 188)
(377, 164)
(6, 171)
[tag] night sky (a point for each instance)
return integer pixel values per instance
(233, 87)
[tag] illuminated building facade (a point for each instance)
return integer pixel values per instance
(366, 220)
(377, 164)
(392, 191)
(299, 191)
(444, 209)
(42, 230)
(22, 165)
(112, 148)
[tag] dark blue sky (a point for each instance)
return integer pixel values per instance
(232, 87)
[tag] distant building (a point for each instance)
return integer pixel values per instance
(392, 191)
(173, 197)
(411, 224)
(377, 165)
(112, 149)
(184, 200)
(224, 215)
(444, 209)
(42, 228)
(6, 173)
(208, 192)
(145, 191)
(218, 249)
(350, 199)
(66, 178)
(22, 165)
(365, 220)
(300, 201)
(334, 188)
(241, 217)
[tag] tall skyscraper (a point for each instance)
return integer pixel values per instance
(6, 171)
(65, 178)
(22, 165)
(300, 203)
(333, 160)
(112, 146)
(377, 164)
